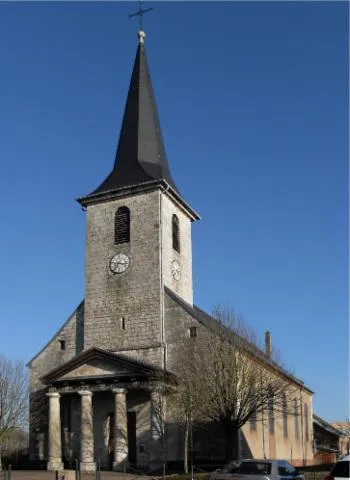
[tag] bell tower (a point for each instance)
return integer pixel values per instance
(138, 233)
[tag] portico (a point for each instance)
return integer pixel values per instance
(103, 407)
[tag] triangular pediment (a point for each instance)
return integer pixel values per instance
(97, 368)
(96, 363)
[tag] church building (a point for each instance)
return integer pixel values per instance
(92, 394)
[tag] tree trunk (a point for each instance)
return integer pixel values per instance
(229, 454)
(232, 443)
(186, 447)
(237, 444)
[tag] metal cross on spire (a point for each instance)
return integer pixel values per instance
(140, 13)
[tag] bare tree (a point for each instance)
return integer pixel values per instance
(13, 398)
(14, 442)
(186, 401)
(227, 379)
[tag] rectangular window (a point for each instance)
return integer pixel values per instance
(193, 332)
(62, 344)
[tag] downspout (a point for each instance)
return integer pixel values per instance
(262, 422)
(302, 427)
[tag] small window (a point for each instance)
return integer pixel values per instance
(122, 323)
(193, 332)
(176, 233)
(122, 226)
(62, 344)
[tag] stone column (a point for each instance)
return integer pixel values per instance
(121, 430)
(87, 463)
(55, 446)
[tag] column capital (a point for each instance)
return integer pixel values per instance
(119, 391)
(86, 393)
(53, 394)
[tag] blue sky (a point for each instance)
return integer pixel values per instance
(253, 101)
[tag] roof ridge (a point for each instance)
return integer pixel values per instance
(205, 319)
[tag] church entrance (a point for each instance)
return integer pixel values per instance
(132, 454)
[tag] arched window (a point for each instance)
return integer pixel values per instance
(296, 419)
(285, 416)
(176, 233)
(306, 421)
(122, 225)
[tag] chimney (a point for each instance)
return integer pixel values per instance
(268, 350)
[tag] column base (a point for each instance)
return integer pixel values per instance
(87, 466)
(53, 465)
(120, 466)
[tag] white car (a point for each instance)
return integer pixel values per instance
(340, 471)
(224, 473)
(253, 469)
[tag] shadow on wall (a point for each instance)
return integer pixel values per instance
(38, 416)
(79, 329)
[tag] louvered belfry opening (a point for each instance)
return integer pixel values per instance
(122, 226)
(176, 234)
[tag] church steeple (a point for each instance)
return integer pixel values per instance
(141, 156)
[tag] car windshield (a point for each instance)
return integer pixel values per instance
(341, 469)
(255, 468)
(230, 467)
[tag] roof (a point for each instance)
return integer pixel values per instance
(94, 353)
(343, 426)
(326, 426)
(56, 335)
(212, 323)
(141, 155)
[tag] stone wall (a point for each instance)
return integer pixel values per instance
(133, 295)
(295, 449)
(50, 357)
(256, 441)
(183, 287)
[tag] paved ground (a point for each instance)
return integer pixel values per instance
(68, 475)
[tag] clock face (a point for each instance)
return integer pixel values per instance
(176, 270)
(119, 263)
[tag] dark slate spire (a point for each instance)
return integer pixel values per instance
(141, 153)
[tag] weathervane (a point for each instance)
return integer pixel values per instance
(140, 13)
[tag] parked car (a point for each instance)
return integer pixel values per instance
(258, 470)
(225, 472)
(340, 470)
